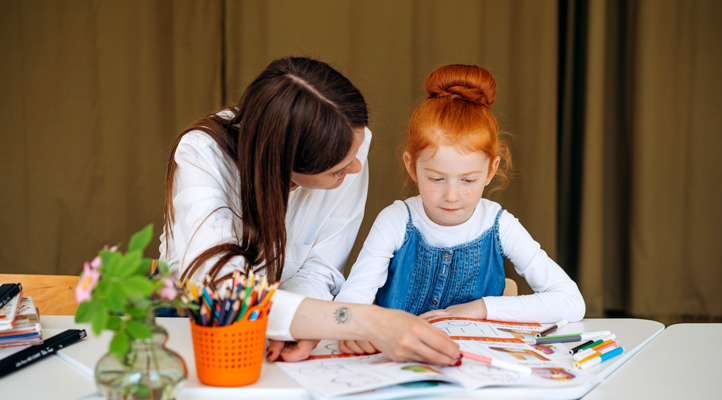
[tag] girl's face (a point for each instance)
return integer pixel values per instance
(451, 182)
(334, 177)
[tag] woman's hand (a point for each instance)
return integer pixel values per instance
(290, 351)
(357, 347)
(473, 309)
(404, 337)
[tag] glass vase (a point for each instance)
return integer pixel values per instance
(148, 371)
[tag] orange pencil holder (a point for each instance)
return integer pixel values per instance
(230, 355)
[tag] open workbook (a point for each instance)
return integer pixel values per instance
(328, 373)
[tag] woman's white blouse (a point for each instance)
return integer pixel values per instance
(321, 225)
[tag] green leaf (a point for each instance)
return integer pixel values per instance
(140, 240)
(114, 323)
(110, 262)
(142, 390)
(144, 267)
(163, 268)
(120, 344)
(84, 313)
(142, 303)
(115, 297)
(100, 318)
(129, 264)
(137, 330)
(136, 312)
(138, 286)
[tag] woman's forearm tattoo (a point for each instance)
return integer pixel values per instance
(343, 315)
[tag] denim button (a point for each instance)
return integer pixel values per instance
(447, 256)
(434, 302)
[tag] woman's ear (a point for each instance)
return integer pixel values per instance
(493, 166)
(410, 166)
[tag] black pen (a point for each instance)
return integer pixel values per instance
(39, 351)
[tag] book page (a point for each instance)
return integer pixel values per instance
(467, 328)
(329, 373)
(546, 371)
(333, 377)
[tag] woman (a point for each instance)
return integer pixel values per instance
(278, 183)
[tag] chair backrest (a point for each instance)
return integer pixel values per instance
(52, 294)
(510, 289)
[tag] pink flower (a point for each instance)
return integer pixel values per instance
(96, 262)
(88, 280)
(168, 292)
(114, 248)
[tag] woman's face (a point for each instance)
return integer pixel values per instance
(334, 177)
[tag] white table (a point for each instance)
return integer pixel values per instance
(62, 381)
(683, 362)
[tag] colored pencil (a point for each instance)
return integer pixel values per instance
(242, 295)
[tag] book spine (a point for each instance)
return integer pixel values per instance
(40, 351)
(10, 294)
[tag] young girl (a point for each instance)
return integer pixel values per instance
(442, 253)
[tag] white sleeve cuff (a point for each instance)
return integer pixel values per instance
(281, 315)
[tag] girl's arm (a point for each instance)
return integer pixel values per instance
(555, 297)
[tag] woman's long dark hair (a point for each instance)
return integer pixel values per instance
(298, 115)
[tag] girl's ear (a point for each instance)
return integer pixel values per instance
(410, 166)
(493, 166)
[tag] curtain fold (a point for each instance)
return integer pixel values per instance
(651, 189)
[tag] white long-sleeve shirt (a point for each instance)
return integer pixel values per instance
(321, 225)
(556, 296)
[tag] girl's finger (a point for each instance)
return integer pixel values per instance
(354, 347)
(343, 348)
(367, 347)
(432, 314)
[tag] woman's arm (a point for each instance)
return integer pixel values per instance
(398, 334)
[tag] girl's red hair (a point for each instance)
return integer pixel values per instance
(458, 113)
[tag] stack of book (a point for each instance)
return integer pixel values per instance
(19, 320)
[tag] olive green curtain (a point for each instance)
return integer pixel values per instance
(651, 222)
(94, 92)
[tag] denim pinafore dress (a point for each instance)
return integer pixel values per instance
(422, 278)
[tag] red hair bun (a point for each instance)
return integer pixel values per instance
(465, 82)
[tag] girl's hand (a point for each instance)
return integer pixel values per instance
(357, 347)
(290, 351)
(474, 309)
